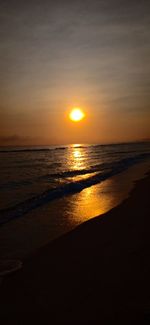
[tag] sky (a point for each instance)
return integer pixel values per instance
(60, 54)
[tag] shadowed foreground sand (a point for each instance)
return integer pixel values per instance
(97, 273)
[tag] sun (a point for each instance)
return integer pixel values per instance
(76, 115)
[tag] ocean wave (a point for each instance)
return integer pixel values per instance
(55, 176)
(68, 189)
(76, 172)
(31, 150)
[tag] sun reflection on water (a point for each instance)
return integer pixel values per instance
(76, 153)
(98, 199)
(91, 202)
(76, 157)
(94, 200)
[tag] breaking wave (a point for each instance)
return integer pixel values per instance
(74, 186)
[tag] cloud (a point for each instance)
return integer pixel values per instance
(13, 139)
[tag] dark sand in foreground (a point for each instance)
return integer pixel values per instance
(97, 273)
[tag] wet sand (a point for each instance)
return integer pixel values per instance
(96, 274)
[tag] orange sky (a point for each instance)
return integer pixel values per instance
(57, 55)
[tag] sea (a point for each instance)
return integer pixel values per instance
(46, 191)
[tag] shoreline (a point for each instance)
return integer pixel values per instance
(45, 224)
(98, 272)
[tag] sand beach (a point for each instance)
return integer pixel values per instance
(96, 274)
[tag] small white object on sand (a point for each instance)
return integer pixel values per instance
(8, 266)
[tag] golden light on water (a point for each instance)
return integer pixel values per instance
(76, 115)
(75, 159)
